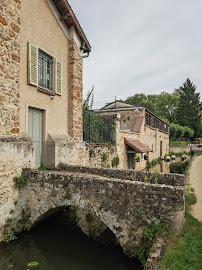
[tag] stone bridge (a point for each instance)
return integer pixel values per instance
(126, 201)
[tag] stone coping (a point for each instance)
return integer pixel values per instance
(132, 175)
(19, 138)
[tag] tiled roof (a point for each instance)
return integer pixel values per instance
(137, 145)
(138, 124)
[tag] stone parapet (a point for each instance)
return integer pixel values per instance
(132, 175)
(9, 66)
(125, 207)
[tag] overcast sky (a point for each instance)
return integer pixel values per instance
(140, 46)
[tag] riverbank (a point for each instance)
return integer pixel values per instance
(184, 250)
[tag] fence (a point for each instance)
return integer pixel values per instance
(98, 129)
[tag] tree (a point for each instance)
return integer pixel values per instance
(141, 100)
(189, 107)
(165, 105)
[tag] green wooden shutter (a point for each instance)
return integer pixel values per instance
(58, 77)
(32, 64)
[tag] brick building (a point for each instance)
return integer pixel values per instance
(138, 132)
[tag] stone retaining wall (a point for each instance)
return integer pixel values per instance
(185, 149)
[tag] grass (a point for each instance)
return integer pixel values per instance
(184, 250)
(182, 143)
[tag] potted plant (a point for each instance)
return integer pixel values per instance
(146, 156)
(137, 158)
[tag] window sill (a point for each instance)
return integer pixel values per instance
(45, 91)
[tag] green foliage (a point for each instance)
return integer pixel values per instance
(180, 143)
(70, 169)
(11, 211)
(7, 236)
(104, 157)
(20, 181)
(46, 168)
(32, 264)
(182, 107)
(189, 107)
(179, 167)
(178, 132)
(96, 128)
(115, 162)
(154, 162)
(185, 250)
(141, 100)
(148, 239)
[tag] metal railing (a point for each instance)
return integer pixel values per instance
(97, 128)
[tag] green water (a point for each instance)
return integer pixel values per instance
(57, 244)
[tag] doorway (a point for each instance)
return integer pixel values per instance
(35, 131)
(130, 160)
(161, 148)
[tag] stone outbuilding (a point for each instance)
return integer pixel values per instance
(140, 135)
(42, 49)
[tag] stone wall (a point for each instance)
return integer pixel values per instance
(185, 149)
(75, 99)
(97, 152)
(125, 207)
(133, 175)
(9, 66)
(15, 153)
(64, 149)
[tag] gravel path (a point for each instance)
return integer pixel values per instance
(195, 178)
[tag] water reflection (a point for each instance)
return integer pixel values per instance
(58, 244)
(166, 167)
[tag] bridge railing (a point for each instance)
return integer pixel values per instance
(142, 176)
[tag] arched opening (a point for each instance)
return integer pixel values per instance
(56, 241)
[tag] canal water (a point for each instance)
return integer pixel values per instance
(172, 166)
(58, 244)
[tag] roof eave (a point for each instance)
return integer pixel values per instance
(70, 19)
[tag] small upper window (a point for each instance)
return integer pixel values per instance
(45, 70)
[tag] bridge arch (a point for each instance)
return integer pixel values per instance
(126, 207)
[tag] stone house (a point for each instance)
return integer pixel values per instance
(138, 132)
(42, 49)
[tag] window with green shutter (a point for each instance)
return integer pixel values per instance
(44, 71)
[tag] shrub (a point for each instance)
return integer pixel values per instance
(20, 181)
(105, 157)
(115, 162)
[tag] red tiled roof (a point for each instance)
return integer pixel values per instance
(138, 124)
(137, 145)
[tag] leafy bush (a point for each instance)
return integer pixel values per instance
(115, 162)
(20, 181)
(105, 157)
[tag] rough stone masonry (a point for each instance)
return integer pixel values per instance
(9, 66)
(126, 207)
